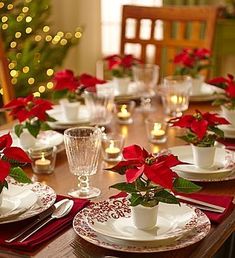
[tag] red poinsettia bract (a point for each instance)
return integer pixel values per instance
(139, 162)
(10, 154)
(116, 61)
(88, 82)
(29, 107)
(198, 123)
(65, 79)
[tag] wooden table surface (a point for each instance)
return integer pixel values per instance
(68, 244)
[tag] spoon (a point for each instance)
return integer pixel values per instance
(62, 209)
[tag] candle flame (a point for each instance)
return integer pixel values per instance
(43, 156)
(111, 145)
(157, 126)
(124, 109)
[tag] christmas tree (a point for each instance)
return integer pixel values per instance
(32, 49)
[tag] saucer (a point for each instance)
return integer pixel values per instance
(229, 131)
(220, 169)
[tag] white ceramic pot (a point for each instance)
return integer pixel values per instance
(27, 140)
(229, 115)
(144, 218)
(70, 110)
(203, 156)
(122, 84)
(197, 84)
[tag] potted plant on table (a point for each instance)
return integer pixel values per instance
(120, 67)
(69, 89)
(226, 99)
(32, 116)
(10, 160)
(192, 62)
(149, 180)
(201, 132)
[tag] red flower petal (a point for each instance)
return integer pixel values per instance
(199, 128)
(133, 152)
(5, 170)
(169, 160)
(133, 173)
(5, 141)
(16, 153)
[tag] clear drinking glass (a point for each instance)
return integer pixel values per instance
(82, 146)
(175, 93)
(146, 77)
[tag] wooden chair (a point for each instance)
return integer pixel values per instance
(182, 27)
(5, 82)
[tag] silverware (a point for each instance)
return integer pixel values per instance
(202, 205)
(62, 209)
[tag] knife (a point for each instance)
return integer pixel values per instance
(40, 217)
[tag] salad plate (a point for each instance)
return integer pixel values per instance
(45, 198)
(173, 221)
(82, 226)
(222, 170)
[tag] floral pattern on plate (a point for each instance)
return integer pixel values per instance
(83, 229)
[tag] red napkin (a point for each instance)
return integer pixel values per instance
(229, 143)
(220, 200)
(49, 231)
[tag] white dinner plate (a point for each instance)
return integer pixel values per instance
(45, 195)
(223, 168)
(45, 139)
(208, 93)
(16, 200)
(173, 221)
(61, 121)
(229, 131)
(82, 228)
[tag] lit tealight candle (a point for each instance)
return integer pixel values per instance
(112, 151)
(124, 114)
(157, 131)
(42, 164)
(177, 99)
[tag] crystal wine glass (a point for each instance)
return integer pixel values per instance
(82, 146)
(146, 77)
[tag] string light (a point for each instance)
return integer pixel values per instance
(4, 19)
(63, 42)
(11, 65)
(68, 35)
(50, 85)
(18, 34)
(4, 26)
(28, 19)
(25, 9)
(28, 30)
(42, 89)
(14, 81)
(46, 28)
(25, 69)
(31, 80)
(50, 72)
(56, 38)
(10, 6)
(13, 44)
(36, 94)
(60, 33)
(78, 34)
(19, 18)
(1, 4)
(48, 38)
(14, 73)
(38, 38)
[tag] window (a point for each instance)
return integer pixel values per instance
(111, 12)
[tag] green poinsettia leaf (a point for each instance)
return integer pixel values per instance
(33, 129)
(44, 126)
(218, 102)
(124, 187)
(18, 129)
(135, 199)
(185, 186)
(50, 119)
(166, 197)
(151, 203)
(19, 175)
(59, 94)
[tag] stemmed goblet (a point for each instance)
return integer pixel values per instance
(82, 145)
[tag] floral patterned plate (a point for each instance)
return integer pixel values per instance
(82, 228)
(46, 197)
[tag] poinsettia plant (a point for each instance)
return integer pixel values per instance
(67, 85)
(228, 85)
(202, 128)
(10, 160)
(192, 61)
(149, 177)
(31, 114)
(121, 65)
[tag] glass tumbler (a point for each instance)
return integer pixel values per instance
(82, 145)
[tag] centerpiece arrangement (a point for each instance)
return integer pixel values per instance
(10, 160)
(120, 67)
(226, 99)
(149, 180)
(192, 62)
(202, 132)
(32, 116)
(69, 89)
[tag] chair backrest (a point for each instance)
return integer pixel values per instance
(5, 82)
(180, 27)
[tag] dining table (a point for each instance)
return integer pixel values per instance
(68, 244)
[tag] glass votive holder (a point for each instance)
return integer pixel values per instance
(156, 130)
(112, 146)
(124, 111)
(43, 160)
